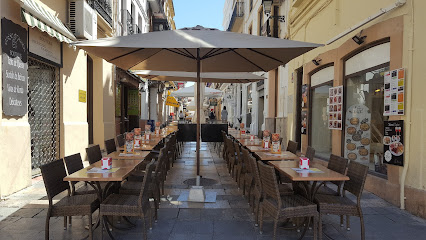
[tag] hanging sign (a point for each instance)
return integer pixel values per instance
(394, 92)
(335, 107)
(14, 68)
(171, 101)
(358, 137)
(393, 142)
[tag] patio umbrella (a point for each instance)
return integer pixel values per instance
(198, 50)
(208, 77)
(189, 92)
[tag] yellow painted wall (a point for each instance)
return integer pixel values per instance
(324, 19)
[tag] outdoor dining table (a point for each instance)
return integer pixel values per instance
(316, 173)
(248, 142)
(254, 149)
(143, 147)
(268, 156)
(118, 155)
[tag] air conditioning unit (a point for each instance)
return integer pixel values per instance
(83, 20)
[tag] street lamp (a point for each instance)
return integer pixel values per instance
(267, 9)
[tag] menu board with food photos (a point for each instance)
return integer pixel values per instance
(357, 134)
(335, 108)
(394, 92)
(393, 142)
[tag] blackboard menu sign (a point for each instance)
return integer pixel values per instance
(14, 68)
(393, 142)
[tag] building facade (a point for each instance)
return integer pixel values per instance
(346, 97)
(63, 111)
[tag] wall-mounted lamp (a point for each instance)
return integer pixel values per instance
(359, 39)
(267, 9)
(317, 61)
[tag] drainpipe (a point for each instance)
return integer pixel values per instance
(409, 101)
(382, 11)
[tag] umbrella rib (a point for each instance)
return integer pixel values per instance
(186, 50)
(248, 60)
(213, 55)
(145, 58)
(265, 55)
(185, 55)
(188, 55)
(115, 58)
(214, 50)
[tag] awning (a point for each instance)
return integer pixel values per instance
(36, 16)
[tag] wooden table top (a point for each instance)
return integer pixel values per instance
(139, 155)
(143, 147)
(247, 142)
(285, 167)
(284, 155)
(125, 168)
(258, 149)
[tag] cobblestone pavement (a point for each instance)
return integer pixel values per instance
(22, 215)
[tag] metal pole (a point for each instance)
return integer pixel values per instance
(198, 113)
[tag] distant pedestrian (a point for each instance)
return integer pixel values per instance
(224, 115)
(212, 116)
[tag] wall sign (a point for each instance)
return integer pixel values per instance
(393, 142)
(14, 68)
(304, 118)
(42, 45)
(394, 92)
(82, 96)
(335, 108)
(358, 133)
(304, 95)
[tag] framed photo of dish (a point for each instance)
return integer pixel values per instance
(304, 95)
(393, 142)
(335, 107)
(358, 133)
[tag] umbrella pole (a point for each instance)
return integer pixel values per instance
(198, 116)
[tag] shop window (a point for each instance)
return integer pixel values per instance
(364, 118)
(320, 134)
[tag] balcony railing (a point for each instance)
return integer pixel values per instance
(238, 12)
(103, 7)
(130, 29)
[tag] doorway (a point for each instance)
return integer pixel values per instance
(299, 81)
(260, 113)
(43, 112)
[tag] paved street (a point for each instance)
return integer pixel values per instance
(22, 214)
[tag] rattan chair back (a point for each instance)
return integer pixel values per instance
(255, 171)
(53, 176)
(357, 174)
(120, 140)
(237, 151)
(269, 183)
(94, 154)
(110, 145)
(143, 201)
(161, 159)
(337, 164)
(245, 159)
(310, 153)
(73, 163)
(292, 146)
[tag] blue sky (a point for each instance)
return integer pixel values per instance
(208, 13)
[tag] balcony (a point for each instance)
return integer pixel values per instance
(130, 29)
(103, 7)
(237, 14)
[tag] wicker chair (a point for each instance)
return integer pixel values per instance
(80, 205)
(292, 146)
(282, 207)
(120, 140)
(231, 155)
(130, 205)
(310, 153)
(73, 164)
(94, 154)
(341, 205)
(337, 164)
(224, 144)
(110, 145)
(257, 189)
(246, 175)
(238, 163)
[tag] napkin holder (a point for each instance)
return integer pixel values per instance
(252, 137)
(304, 163)
(106, 163)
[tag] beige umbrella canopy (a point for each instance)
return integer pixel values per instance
(198, 50)
(208, 77)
